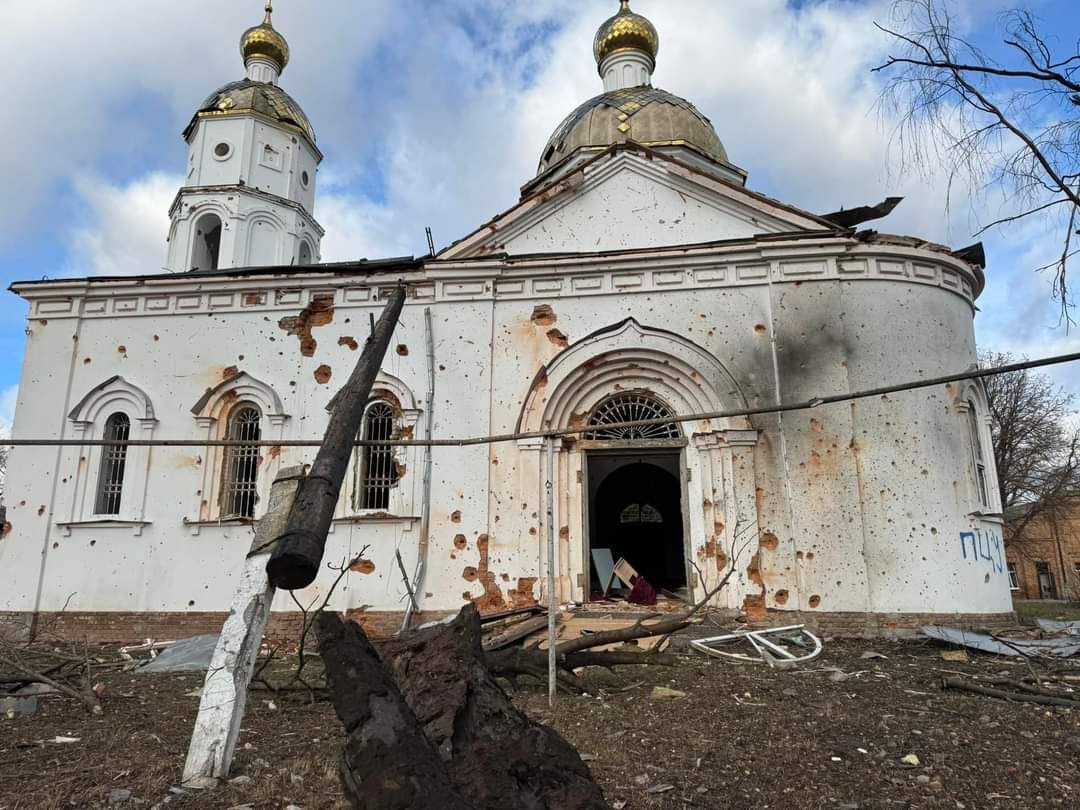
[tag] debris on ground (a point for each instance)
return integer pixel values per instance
(1061, 647)
(779, 647)
(187, 655)
(709, 746)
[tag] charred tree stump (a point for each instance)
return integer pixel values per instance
(495, 756)
(387, 763)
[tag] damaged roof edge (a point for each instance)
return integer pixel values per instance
(362, 267)
(973, 255)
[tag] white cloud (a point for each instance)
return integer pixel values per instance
(125, 228)
(8, 399)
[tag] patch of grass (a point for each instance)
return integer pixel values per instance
(1028, 612)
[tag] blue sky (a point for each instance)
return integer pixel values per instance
(434, 112)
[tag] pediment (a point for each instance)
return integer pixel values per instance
(631, 198)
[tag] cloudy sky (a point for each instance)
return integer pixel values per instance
(434, 112)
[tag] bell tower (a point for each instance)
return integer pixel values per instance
(248, 198)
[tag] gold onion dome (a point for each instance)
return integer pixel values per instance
(264, 42)
(626, 31)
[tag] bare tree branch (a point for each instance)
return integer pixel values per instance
(1007, 130)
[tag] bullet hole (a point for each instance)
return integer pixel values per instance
(93, 543)
(769, 541)
(558, 338)
(362, 566)
(156, 338)
(799, 555)
(460, 542)
(191, 603)
(455, 517)
(810, 555)
(815, 601)
(760, 329)
(122, 350)
(230, 373)
(544, 315)
(470, 574)
(55, 546)
(5, 530)
(402, 350)
(781, 597)
(347, 340)
(323, 374)
(41, 511)
(87, 361)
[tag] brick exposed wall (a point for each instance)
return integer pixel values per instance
(285, 628)
(1054, 541)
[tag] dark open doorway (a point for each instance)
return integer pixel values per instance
(635, 510)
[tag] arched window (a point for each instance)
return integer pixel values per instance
(632, 408)
(110, 487)
(978, 457)
(305, 254)
(641, 513)
(376, 471)
(207, 248)
(239, 486)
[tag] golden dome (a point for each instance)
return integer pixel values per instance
(646, 115)
(626, 30)
(264, 42)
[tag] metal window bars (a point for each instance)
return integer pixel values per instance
(239, 489)
(632, 408)
(113, 460)
(376, 467)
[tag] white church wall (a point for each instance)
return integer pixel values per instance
(814, 496)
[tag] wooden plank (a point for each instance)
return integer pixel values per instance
(515, 632)
(224, 696)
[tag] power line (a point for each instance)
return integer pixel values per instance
(809, 404)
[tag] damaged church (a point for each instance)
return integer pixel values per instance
(639, 277)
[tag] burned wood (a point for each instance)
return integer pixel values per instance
(495, 755)
(1019, 697)
(387, 763)
(299, 551)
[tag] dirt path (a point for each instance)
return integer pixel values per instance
(743, 737)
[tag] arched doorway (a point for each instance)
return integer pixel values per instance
(635, 503)
(637, 514)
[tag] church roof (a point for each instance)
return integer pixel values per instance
(645, 115)
(248, 96)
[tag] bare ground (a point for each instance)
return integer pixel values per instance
(744, 736)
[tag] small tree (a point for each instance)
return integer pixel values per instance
(1010, 126)
(1036, 452)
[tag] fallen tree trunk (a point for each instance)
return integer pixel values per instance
(387, 763)
(496, 757)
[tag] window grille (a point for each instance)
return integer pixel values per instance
(239, 490)
(113, 461)
(632, 408)
(641, 513)
(376, 466)
(977, 458)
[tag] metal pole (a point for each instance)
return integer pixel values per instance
(553, 601)
(425, 506)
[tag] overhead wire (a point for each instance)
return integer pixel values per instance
(555, 433)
